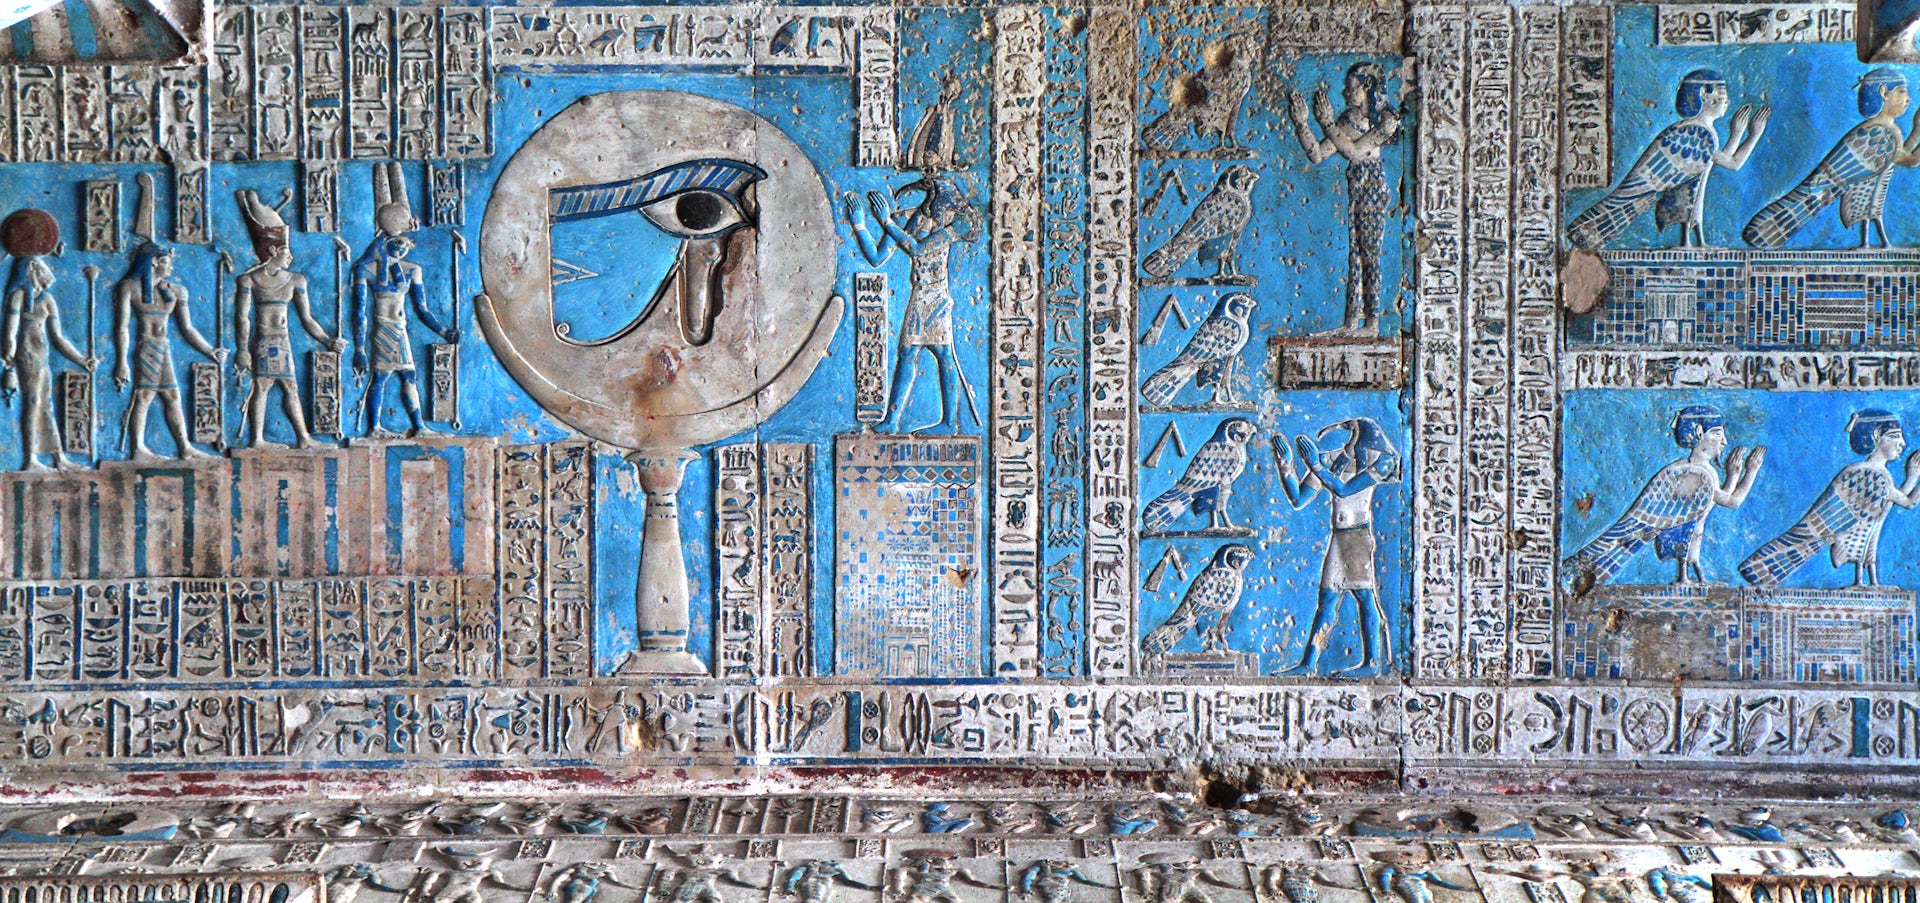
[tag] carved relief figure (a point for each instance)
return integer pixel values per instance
(266, 297)
(1211, 357)
(1855, 172)
(813, 881)
(1207, 484)
(1847, 516)
(1670, 177)
(1411, 886)
(1052, 881)
(1365, 461)
(927, 233)
(1213, 595)
(1671, 510)
(32, 332)
(1206, 103)
(1177, 878)
(1358, 133)
(699, 881)
(580, 882)
(928, 876)
(1211, 231)
(145, 303)
(385, 285)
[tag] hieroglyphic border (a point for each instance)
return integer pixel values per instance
(1019, 75)
(1440, 35)
(1112, 70)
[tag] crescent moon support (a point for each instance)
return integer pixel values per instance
(660, 595)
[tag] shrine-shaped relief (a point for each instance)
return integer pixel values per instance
(1735, 468)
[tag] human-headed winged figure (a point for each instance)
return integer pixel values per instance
(1207, 484)
(1212, 230)
(1847, 516)
(1211, 357)
(1670, 178)
(1671, 510)
(1213, 595)
(1855, 172)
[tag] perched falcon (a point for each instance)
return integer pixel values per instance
(1213, 594)
(1213, 228)
(1855, 172)
(1208, 481)
(1846, 518)
(1668, 512)
(1206, 103)
(1211, 357)
(1667, 178)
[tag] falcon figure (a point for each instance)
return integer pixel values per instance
(1206, 103)
(1211, 358)
(1213, 594)
(1208, 481)
(1212, 230)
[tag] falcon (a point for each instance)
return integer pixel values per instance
(1206, 103)
(1212, 230)
(1211, 358)
(1213, 594)
(1208, 481)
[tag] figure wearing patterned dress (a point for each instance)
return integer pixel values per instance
(1846, 518)
(1855, 172)
(266, 297)
(385, 284)
(1670, 177)
(1365, 461)
(1368, 124)
(145, 302)
(1671, 510)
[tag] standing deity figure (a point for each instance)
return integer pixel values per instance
(1177, 878)
(1855, 172)
(1671, 510)
(1670, 177)
(385, 284)
(32, 332)
(928, 876)
(1357, 134)
(1052, 881)
(1846, 518)
(1365, 461)
(927, 233)
(813, 881)
(144, 304)
(264, 296)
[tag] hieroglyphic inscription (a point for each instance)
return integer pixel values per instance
(1064, 331)
(416, 70)
(209, 427)
(1780, 371)
(370, 114)
(179, 114)
(1531, 555)
(1487, 424)
(101, 229)
(1440, 33)
(1019, 78)
(1111, 394)
(786, 616)
(130, 101)
(443, 382)
(84, 94)
(324, 367)
(569, 570)
(877, 142)
(738, 566)
(230, 119)
(870, 347)
(1347, 28)
(1586, 96)
(276, 98)
(76, 412)
(464, 95)
(319, 196)
(37, 133)
(323, 85)
(521, 489)
(1756, 23)
(190, 225)
(446, 195)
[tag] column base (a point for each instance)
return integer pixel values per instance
(639, 662)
